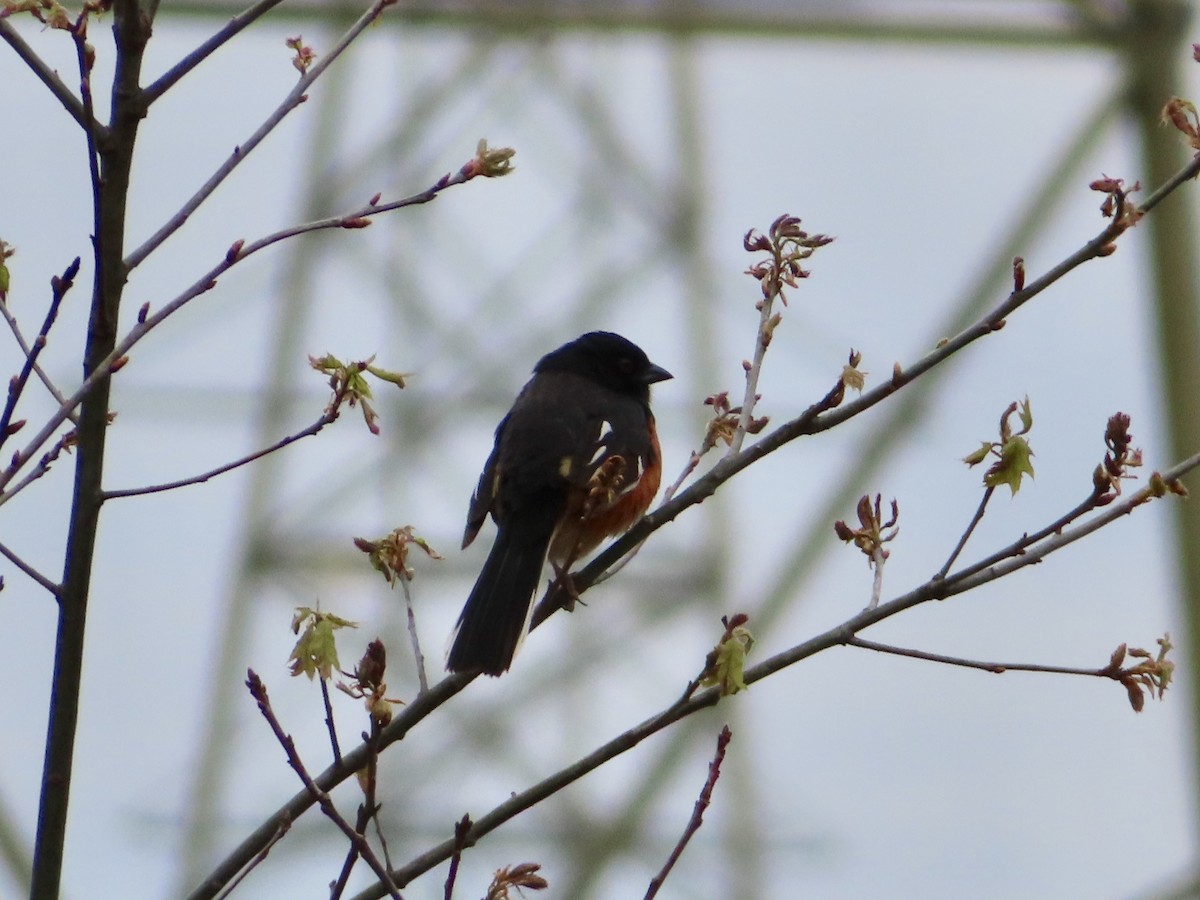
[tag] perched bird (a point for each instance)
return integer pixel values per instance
(576, 460)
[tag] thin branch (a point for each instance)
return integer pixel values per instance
(238, 252)
(819, 418)
(284, 827)
(993, 667)
(29, 570)
(48, 77)
(809, 422)
(461, 829)
(1028, 540)
(43, 466)
(293, 99)
(85, 57)
(838, 635)
(418, 656)
(327, 418)
(878, 558)
(259, 691)
(329, 723)
(761, 341)
(230, 30)
(26, 350)
(59, 288)
(367, 810)
(697, 818)
(966, 535)
(687, 705)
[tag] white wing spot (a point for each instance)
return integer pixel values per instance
(601, 442)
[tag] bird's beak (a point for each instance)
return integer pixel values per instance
(655, 374)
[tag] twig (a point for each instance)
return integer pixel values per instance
(686, 706)
(294, 98)
(418, 656)
(819, 418)
(753, 371)
(995, 668)
(284, 827)
(259, 692)
(367, 810)
(42, 467)
(693, 825)
(59, 288)
(808, 422)
(207, 282)
(1028, 540)
(84, 57)
(327, 418)
(230, 30)
(461, 829)
(48, 76)
(966, 535)
(329, 723)
(29, 570)
(26, 350)
(878, 558)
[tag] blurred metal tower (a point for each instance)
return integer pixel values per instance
(627, 199)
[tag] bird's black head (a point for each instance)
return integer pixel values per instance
(607, 358)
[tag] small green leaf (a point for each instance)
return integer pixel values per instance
(1026, 417)
(729, 671)
(316, 650)
(1013, 465)
(979, 455)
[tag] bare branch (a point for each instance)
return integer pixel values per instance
(294, 98)
(819, 417)
(693, 825)
(418, 656)
(238, 252)
(72, 104)
(993, 667)
(966, 535)
(59, 288)
(461, 828)
(284, 827)
(29, 570)
(329, 416)
(259, 691)
(230, 30)
(26, 350)
(812, 421)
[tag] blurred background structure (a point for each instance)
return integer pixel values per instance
(936, 140)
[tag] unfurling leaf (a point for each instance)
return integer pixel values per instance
(1014, 464)
(315, 652)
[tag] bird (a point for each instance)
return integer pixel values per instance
(575, 460)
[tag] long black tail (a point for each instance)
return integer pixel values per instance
(497, 612)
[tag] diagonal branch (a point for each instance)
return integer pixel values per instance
(48, 77)
(295, 97)
(697, 818)
(993, 667)
(230, 30)
(327, 418)
(818, 418)
(59, 288)
(425, 704)
(259, 691)
(29, 570)
(238, 252)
